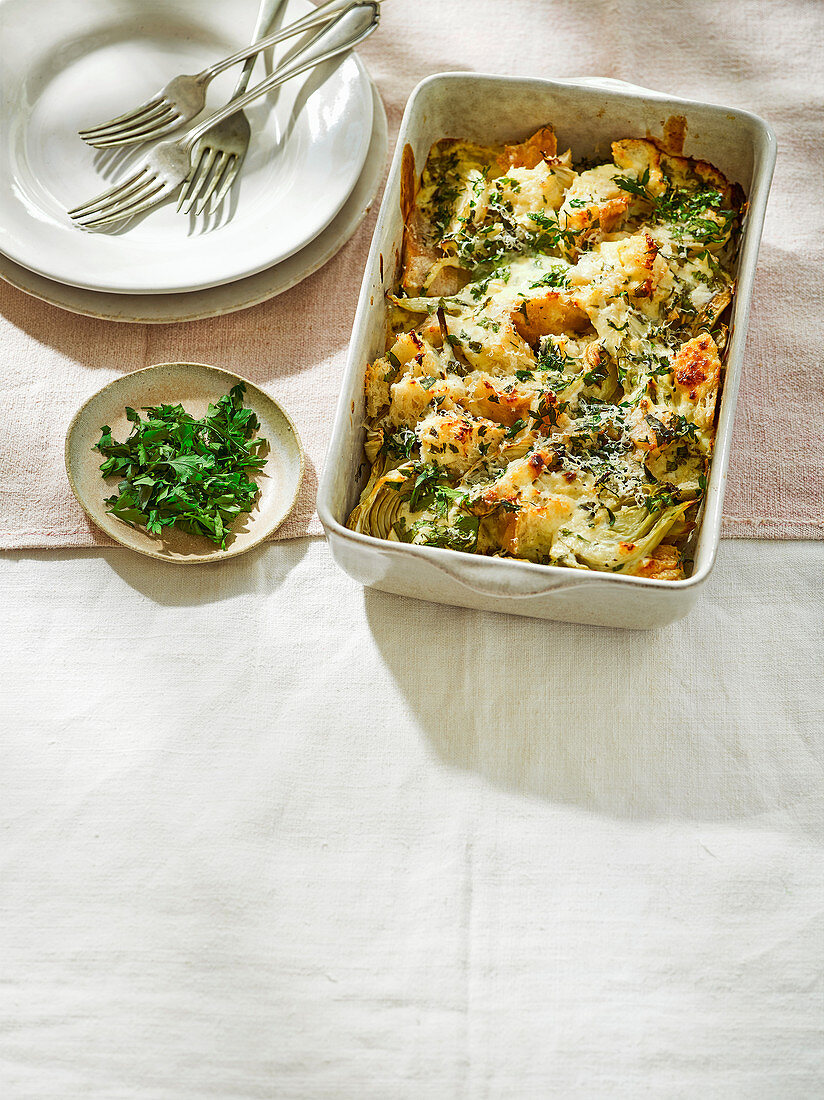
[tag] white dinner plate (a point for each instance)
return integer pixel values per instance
(159, 309)
(73, 63)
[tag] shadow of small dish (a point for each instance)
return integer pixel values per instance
(194, 386)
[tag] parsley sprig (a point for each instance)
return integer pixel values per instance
(699, 214)
(187, 473)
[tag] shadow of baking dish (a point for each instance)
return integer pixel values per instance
(594, 718)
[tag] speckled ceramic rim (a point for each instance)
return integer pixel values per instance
(209, 556)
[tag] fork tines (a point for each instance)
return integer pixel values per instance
(211, 178)
(121, 202)
(154, 118)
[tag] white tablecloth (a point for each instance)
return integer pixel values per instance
(267, 834)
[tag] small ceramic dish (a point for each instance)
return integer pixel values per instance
(194, 386)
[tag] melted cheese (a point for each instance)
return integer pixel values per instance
(559, 405)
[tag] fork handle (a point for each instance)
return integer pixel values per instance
(317, 18)
(265, 21)
(353, 24)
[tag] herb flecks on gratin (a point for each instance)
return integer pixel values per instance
(178, 471)
(553, 358)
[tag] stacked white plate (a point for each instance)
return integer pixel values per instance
(314, 163)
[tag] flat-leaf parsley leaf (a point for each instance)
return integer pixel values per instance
(187, 473)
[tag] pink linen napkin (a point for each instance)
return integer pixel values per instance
(760, 57)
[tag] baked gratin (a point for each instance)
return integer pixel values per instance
(553, 356)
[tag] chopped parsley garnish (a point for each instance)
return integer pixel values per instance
(634, 187)
(600, 397)
(460, 535)
(515, 428)
(688, 212)
(555, 277)
(400, 443)
(551, 357)
(178, 471)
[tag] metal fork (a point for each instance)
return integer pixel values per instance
(183, 98)
(221, 150)
(169, 162)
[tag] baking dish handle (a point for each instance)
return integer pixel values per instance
(474, 575)
(610, 83)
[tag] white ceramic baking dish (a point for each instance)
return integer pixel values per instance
(588, 114)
